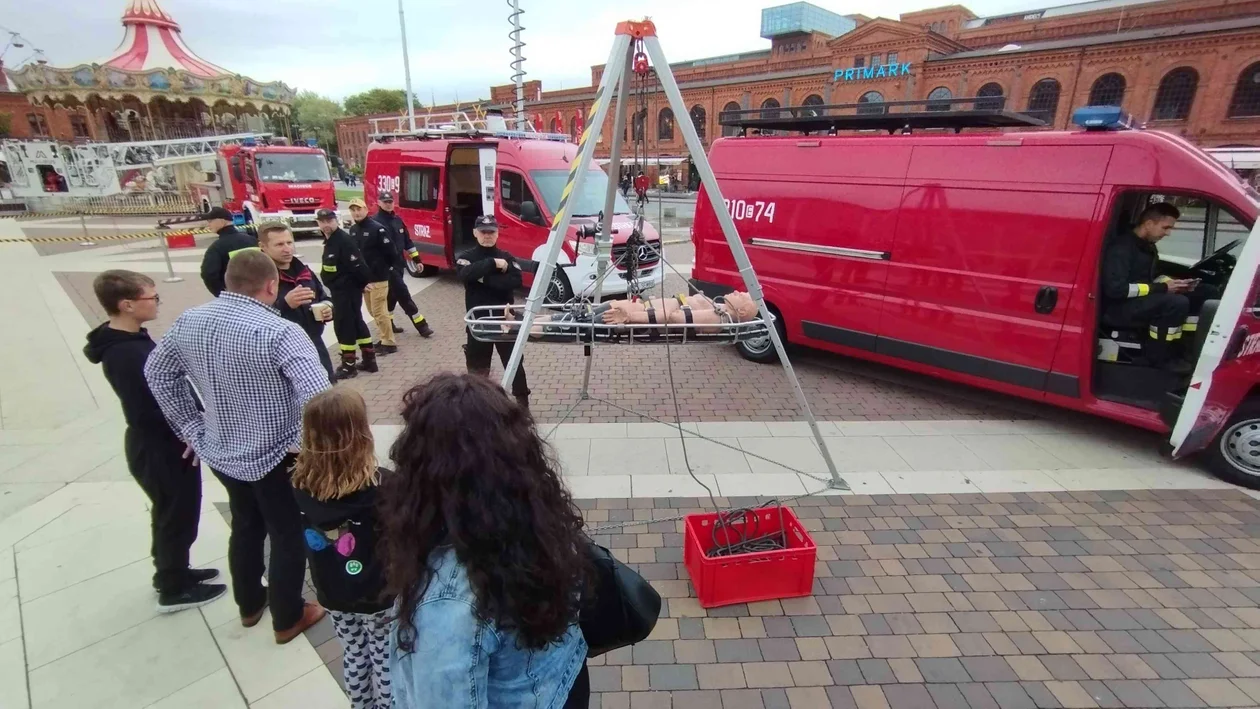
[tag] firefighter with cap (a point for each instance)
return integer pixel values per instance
(398, 292)
(381, 257)
(230, 242)
(1135, 296)
(490, 276)
(346, 275)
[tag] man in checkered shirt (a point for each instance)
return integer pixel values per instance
(254, 372)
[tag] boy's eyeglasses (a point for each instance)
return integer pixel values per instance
(157, 299)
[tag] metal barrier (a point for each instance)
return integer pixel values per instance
(140, 204)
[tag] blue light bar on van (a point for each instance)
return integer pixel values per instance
(312, 143)
(1102, 118)
(249, 142)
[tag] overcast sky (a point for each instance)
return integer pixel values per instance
(459, 48)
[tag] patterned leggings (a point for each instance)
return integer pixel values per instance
(365, 639)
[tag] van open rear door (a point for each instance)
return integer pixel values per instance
(1225, 370)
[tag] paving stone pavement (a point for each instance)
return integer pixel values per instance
(713, 382)
(1137, 599)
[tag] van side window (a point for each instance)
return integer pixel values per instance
(1202, 229)
(514, 190)
(419, 187)
(236, 169)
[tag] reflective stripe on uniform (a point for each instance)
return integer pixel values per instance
(364, 341)
(1137, 290)
(232, 254)
(1174, 333)
(347, 348)
(418, 319)
(413, 253)
(329, 269)
(1191, 325)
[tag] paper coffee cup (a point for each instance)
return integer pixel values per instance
(322, 310)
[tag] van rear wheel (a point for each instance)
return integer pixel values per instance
(1235, 454)
(761, 349)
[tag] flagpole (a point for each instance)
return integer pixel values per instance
(411, 104)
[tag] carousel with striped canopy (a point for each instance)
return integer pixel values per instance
(154, 87)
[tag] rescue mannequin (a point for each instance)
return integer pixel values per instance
(738, 306)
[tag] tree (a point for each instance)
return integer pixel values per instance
(377, 101)
(315, 116)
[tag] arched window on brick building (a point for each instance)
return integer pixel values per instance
(769, 108)
(640, 118)
(991, 97)
(556, 125)
(939, 99)
(1043, 100)
(1175, 95)
(1108, 90)
(573, 131)
(1246, 101)
(699, 119)
(809, 104)
(726, 110)
(665, 125)
(871, 97)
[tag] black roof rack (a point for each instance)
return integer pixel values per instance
(892, 116)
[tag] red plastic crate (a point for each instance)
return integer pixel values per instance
(756, 576)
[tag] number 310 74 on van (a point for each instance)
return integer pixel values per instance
(977, 257)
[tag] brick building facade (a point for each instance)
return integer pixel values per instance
(1190, 67)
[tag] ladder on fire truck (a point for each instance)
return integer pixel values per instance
(634, 45)
(152, 153)
(453, 124)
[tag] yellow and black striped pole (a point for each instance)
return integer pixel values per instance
(614, 71)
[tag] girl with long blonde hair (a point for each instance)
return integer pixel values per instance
(335, 483)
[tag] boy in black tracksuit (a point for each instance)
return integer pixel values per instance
(490, 276)
(161, 463)
(230, 240)
(346, 275)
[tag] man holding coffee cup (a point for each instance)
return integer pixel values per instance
(301, 299)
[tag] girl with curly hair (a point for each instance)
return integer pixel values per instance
(335, 484)
(483, 547)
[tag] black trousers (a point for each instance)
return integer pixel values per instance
(399, 295)
(1161, 314)
(173, 485)
(317, 338)
(477, 359)
(262, 509)
(352, 331)
(580, 694)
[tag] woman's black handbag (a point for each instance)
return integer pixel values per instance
(623, 609)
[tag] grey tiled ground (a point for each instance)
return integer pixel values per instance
(1070, 599)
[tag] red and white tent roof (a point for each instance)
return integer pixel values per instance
(153, 41)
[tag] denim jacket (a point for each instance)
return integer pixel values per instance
(460, 662)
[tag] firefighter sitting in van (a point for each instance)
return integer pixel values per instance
(1135, 296)
(398, 293)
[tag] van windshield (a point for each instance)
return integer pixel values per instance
(292, 167)
(587, 204)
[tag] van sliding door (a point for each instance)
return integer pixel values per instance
(985, 260)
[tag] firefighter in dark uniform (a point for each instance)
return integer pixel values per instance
(490, 276)
(346, 276)
(376, 243)
(1136, 296)
(230, 241)
(398, 292)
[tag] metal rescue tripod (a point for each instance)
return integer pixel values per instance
(631, 41)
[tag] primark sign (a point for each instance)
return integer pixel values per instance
(872, 72)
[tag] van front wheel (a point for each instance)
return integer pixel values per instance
(559, 290)
(1235, 454)
(761, 349)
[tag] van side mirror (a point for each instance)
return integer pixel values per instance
(530, 213)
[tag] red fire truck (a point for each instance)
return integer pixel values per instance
(270, 181)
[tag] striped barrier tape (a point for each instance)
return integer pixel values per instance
(102, 212)
(104, 237)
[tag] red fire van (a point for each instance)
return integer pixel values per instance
(976, 257)
(445, 177)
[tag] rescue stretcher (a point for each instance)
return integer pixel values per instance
(491, 323)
